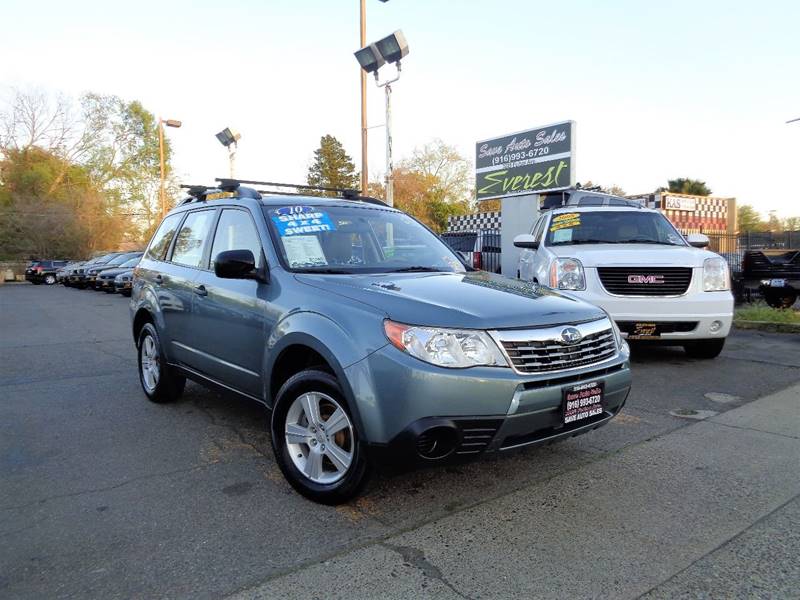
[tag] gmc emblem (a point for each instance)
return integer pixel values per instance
(648, 279)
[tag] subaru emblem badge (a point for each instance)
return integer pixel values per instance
(570, 336)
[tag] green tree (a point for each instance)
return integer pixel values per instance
(791, 224)
(683, 185)
(748, 219)
(332, 167)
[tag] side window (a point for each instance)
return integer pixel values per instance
(191, 238)
(537, 230)
(236, 231)
(163, 237)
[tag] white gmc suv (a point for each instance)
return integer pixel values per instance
(633, 263)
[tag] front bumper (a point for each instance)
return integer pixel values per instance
(123, 286)
(711, 311)
(401, 399)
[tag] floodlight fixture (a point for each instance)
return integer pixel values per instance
(228, 136)
(393, 47)
(370, 58)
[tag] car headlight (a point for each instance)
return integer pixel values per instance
(454, 348)
(567, 274)
(715, 275)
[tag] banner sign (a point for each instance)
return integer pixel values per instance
(680, 203)
(528, 162)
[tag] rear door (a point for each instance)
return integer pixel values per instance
(230, 316)
(176, 287)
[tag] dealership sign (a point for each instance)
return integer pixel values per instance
(680, 203)
(528, 162)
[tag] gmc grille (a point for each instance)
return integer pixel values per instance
(645, 281)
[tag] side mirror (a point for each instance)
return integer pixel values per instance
(698, 240)
(526, 240)
(235, 264)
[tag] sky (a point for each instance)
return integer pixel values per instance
(658, 90)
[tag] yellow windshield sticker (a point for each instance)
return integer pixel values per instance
(565, 221)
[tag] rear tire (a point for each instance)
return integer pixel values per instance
(704, 349)
(777, 298)
(329, 474)
(159, 381)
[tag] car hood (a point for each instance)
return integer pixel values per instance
(473, 300)
(627, 255)
(114, 271)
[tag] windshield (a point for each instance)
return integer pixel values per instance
(131, 262)
(348, 239)
(612, 227)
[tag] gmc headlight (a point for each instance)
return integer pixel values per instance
(454, 348)
(567, 274)
(715, 275)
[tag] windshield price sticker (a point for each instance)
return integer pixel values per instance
(565, 221)
(301, 220)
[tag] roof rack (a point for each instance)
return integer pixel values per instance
(345, 193)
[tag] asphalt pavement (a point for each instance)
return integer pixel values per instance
(692, 491)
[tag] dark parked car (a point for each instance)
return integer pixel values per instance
(364, 352)
(43, 271)
(123, 282)
(94, 271)
(776, 274)
(106, 275)
(79, 277)
(480, 249)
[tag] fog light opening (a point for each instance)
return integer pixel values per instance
(437, 442)
(715, 326)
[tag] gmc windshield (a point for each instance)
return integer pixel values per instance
(611, 227)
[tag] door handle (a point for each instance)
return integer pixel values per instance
(201, 290)
(159, 279)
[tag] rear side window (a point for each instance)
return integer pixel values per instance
(163, 237)
(191, 238)
(236, 231)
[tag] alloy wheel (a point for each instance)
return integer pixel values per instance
(150, 364)
(319, 437)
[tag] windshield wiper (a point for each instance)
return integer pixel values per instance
(647, 242)
(417, 269)
(325, 271)
(576, 242)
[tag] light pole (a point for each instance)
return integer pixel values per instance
(371, 58)
(363, 42)
(162, 194)
(229, 138)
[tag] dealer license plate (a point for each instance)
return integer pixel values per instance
(643, 331)
(582, 401)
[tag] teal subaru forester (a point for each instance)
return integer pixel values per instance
(366, 336)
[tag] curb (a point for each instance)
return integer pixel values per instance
(769, 326)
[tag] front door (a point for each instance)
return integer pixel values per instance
(231, 317)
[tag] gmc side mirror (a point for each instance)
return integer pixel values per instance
(526, 240)
(698, 240)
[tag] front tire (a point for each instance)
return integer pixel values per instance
(49, 279)
(704, 349)
(159, 382)
(315, 442)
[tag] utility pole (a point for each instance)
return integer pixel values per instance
(162, 192)
(364, 168)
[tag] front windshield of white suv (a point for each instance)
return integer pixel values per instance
(344, 239)
(612, 227)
